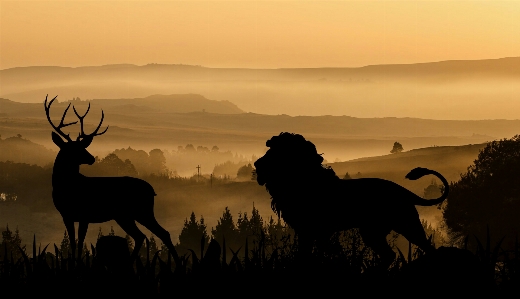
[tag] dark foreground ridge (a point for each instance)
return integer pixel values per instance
(282, 272)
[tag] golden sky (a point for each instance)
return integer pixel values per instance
(255, 34)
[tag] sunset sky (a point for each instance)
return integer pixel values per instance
(255, 34)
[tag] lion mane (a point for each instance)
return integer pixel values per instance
(316, 203)
(292, 161)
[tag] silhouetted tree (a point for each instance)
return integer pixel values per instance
(243, 226)
(189, 148)
(250, 228)
(111, 165)
(347, 176)
(65, 244)
(397, 148)
(488, 194)
(245, 172)
(227, 229)
(139, 158)
(15, 179)
(256, 223)
(157, 162)
(279, 235)
(152, 248)
(436, 233)
(192, 234)
(228, 168)
(11, 243)
(432, 191)
(202, 149)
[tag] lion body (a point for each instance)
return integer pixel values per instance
(316, 203)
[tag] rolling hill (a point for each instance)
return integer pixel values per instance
(480, 89)
(158, 122)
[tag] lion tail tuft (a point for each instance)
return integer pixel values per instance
(417, 173)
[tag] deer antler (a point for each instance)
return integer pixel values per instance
(95, 133)
(61, 125)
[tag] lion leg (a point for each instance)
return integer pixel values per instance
(414, 233)
(376, 239)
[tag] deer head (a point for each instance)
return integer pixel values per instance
(75, 152)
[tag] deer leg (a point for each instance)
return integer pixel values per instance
(131, 229)
(69, 225)
(82, 232)
(151, 224)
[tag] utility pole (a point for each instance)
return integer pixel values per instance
(198, 171)
(211, 180)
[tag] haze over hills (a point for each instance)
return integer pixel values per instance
(175, 202)
(149, 123)
(175, 103)
(481, 89)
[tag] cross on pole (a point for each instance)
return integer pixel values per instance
(198, 171)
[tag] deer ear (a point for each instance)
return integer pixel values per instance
(85, 142)
(57, 140)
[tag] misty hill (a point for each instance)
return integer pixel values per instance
(481, 89)
(175, 103)
(135, 123)
(14, 78)
(20, 150)
(450, 161)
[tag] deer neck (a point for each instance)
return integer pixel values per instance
(63, 171)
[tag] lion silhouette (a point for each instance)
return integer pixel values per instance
(316, 203)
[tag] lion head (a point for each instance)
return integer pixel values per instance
(291, 169)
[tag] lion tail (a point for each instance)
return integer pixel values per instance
(419, 172)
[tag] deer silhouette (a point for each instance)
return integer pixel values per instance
(98, 199)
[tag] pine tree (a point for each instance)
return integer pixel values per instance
(226, 229)
(243, 226)
(191, 235)
(65, 245)
(11, 244)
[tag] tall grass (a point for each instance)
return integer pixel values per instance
(267, 267)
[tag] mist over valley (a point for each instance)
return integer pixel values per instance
(220, 119)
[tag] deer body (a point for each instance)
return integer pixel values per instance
(99, 199)
(103, 202)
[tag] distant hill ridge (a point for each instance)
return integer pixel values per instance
(507, 66)
(175, 103)
(477, 89)
(450, 161)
